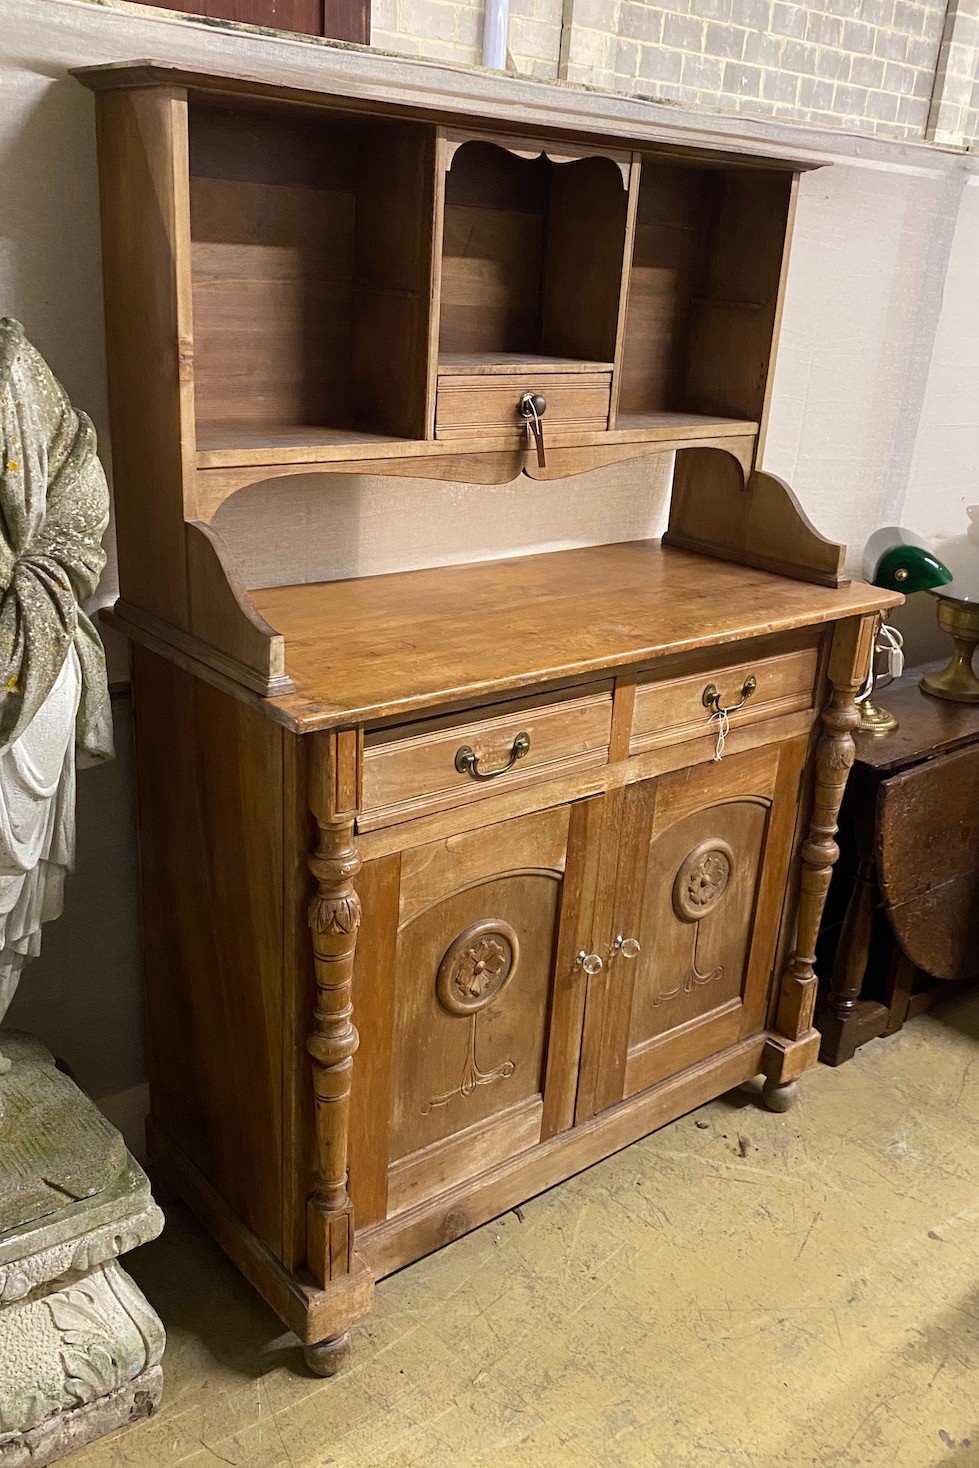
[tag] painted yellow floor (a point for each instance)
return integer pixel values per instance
(681, 1305)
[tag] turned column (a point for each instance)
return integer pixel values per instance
(334, 920)
(835, 752)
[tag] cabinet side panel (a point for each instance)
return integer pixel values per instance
(142, 141)
(209, 787)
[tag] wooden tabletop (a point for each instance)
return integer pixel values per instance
(391, 646)
(927, 726)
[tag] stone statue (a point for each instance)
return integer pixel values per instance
(53, 691)
(80, 1347)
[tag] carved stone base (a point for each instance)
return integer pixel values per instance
(76, 1364)
(80, 1346)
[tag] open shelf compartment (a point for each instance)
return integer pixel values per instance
(704, 281)
(311, 270)
(531, 283)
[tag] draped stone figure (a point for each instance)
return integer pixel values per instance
(80, 1347)
(54, 509)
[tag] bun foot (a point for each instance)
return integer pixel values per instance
(326, 1358)
(780, 1097)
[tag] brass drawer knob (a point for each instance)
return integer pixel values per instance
(467, 761)
(590, 962)
(627, 947)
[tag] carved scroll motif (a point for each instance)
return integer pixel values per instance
(475, 969)
(334, 919)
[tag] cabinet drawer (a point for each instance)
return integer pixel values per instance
(487, 405)
(441, 763)
(672, 709)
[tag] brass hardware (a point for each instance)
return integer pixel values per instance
(956, 681)
(590, 962)
(531, 408)
(467, 761)
(627, 947)
(875, 720)
(712, 699)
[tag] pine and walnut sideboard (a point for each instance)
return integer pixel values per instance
(459, 879)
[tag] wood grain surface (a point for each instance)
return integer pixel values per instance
(384, 647)
(927, 848)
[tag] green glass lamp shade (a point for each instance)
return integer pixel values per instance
(899, 560)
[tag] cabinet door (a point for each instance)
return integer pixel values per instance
(470, 1004)
(700, 860)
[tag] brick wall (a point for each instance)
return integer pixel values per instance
(902, 68)
(452, 30)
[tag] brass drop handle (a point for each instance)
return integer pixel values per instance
(467, 760)
(532, 407)
(590, 962)
(627, 947)
(712, 699)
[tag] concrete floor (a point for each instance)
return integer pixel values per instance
(815, 1301)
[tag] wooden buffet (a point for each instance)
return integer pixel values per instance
(445, 894)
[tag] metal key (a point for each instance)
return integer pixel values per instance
(532, 407)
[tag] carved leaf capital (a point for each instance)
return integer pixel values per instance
(841, 754)
(335, 914)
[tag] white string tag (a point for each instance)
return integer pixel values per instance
(892, 644)
(723, 726)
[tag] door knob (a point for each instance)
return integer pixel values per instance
(628, 947)
(590, 962)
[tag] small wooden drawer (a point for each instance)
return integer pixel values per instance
(669, 710)
(486, 405)
(440, 763)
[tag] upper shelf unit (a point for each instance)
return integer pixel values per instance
(299, 281)
(386, 290)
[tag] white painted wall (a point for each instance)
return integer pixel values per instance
(869, 294)
(876, 414)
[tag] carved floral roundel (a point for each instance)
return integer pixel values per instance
(703, 880)
(476, 967)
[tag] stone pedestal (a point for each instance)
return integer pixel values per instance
(80, 1346)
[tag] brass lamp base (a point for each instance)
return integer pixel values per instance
(874, 720)
(957, 681)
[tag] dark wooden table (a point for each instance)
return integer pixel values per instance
(902, 920)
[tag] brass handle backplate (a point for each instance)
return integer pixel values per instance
(467, 760)
(712, 699)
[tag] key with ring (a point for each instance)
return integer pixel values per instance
(531, 408)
